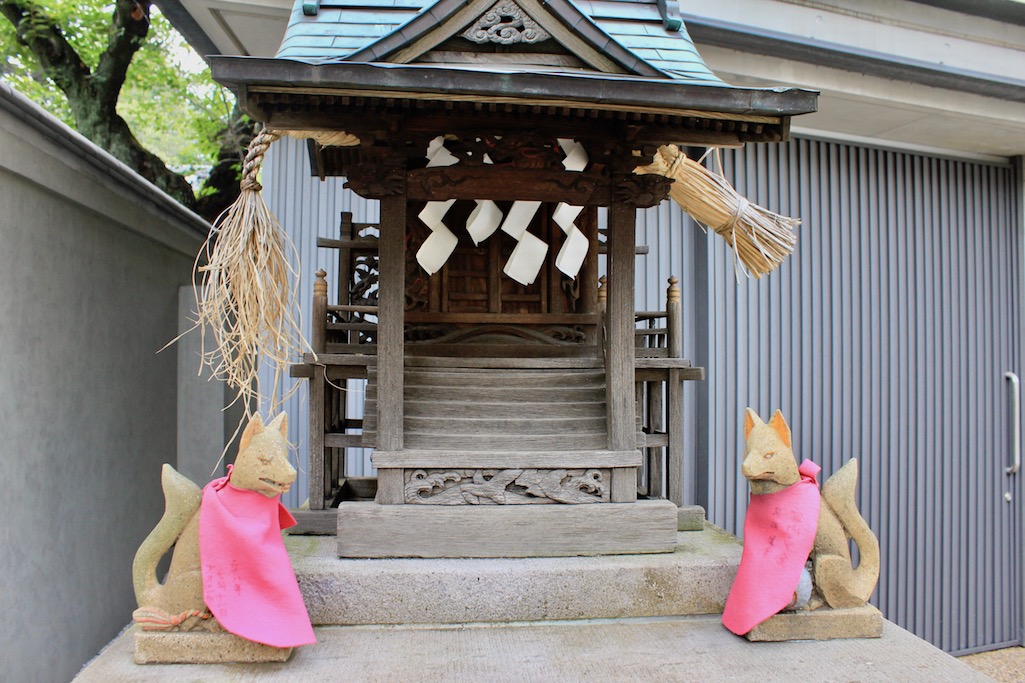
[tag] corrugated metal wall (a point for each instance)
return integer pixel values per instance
(309, 208)
(885, 337)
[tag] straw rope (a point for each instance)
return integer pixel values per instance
(245, 299)
(760, 238)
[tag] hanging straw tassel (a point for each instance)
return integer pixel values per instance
(760, 238)
(245, 300)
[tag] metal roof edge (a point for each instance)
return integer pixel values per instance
(822, 53)
(102, 163)
(185, 24)
(998, 10)
(448, 80)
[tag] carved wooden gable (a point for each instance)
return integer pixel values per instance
(613, 37)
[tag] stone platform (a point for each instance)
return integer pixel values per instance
(617, 618)
(667, 649)
(695, 579)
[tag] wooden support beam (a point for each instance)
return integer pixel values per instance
(674, 432)
(619, 345)
(316, 437)
(509, 184)
(390, 337)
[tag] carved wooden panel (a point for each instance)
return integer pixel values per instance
(506, 486)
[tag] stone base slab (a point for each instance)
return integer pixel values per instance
(370, 530)
(694, 579)
(690, 518)
(821, 624)
(201, 647)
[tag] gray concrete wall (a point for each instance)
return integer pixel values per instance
(91, 260)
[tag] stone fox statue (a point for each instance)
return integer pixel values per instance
(178, 603)
(770, 467)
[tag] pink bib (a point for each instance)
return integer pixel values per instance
(248, 580)
(779, 532)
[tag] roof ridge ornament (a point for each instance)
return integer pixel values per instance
(506, 23)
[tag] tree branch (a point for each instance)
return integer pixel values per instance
(41, 34)
(129, 28)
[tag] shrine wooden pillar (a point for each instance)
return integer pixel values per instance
(619, 344)
(391, 340)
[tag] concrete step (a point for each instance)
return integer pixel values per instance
(693, 580)
(650, 649)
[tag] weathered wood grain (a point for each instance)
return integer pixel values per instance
(390, 488)
(391, 302)
(619, 326)
(369, 530)
(480, 459)
(508, 442)
(318, 489)
(624, 484)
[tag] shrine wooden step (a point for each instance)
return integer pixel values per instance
(545, 364)
(508, 378)
(480, 458)
(499, 394)
(519, 408)
(455, 402)
(549, 442)
(483, 423)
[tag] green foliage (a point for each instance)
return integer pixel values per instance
(169, 100)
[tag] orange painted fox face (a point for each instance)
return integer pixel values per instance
(262, 462)
(769, 462)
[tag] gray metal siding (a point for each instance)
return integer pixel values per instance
(885, 337)
(309, 208)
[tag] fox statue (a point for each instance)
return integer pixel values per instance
(811, 527)
(229, 569)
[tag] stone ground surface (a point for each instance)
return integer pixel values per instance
(651, 649)
(1006, 666)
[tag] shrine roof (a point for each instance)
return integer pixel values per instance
(595, 58)
(644, 33)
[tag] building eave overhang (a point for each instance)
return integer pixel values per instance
(251, 76)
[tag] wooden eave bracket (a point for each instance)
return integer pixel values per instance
(312, 7)
(670, 11)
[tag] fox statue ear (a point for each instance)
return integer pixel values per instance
(280, 423)
(779, 423)
(750, 420)
(254, 427)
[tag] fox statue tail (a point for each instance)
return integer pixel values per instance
(181, 501)
(850, 587)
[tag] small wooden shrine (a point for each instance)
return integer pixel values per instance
(514, 405)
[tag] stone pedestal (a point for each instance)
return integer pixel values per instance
(369, 530)
(821, 624)
(201, 647)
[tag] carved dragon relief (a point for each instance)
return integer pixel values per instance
(506, 487)
(506, 24)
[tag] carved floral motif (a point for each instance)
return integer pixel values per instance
(506, 23)
(506, 487)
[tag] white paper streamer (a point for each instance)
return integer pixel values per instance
(564, 215)
(434, 213)
(483, 221)
(528, 256)
(436, 249)
(526, 259)
(519, 218)
(576, 157)
(574, 250)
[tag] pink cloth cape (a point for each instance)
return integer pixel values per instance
(779, 532)
(248, 580)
